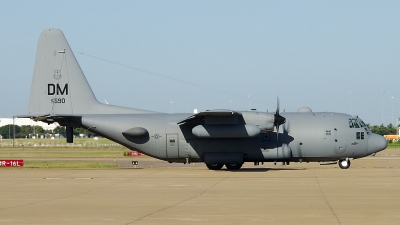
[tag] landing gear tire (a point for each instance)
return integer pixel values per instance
(344, 164)
(214, 166)
(233, 166)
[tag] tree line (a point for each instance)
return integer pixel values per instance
(383, 130)
(27, 131)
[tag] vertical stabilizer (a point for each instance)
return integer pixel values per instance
(58, 81)
(59, 85)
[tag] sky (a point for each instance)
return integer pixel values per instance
(177, 56)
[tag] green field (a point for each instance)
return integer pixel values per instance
(58, 148)
(80, 143)
(67, 164)
(395, 145)
(48, 149)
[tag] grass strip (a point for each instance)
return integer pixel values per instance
(65, 154)
(67, 165)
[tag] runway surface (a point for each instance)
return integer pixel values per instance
(162, 193)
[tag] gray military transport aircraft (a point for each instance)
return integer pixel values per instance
(60, 93)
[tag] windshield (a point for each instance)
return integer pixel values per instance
(356, 123)
(361, 122)
(353, 123)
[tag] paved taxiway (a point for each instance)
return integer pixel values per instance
(367, 193)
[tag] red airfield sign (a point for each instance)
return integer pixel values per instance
(11, 162)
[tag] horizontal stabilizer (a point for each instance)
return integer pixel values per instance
(50, 118)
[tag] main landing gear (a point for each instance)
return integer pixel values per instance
(218, 166)
(344, 163)
(233, 166)
(214, 166)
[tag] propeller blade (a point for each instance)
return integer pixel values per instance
(277, 139)
(277, 106)
(278, 120)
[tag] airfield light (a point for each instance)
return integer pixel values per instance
(350, 93)
(392, 109)
(383, 91)
(13, 130)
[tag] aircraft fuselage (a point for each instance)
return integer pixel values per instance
(310, 137)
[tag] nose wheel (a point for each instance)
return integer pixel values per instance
(344, 163)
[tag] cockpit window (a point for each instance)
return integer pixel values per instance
(362, 123)
(353, 123)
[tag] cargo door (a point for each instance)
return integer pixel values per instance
(172, 146)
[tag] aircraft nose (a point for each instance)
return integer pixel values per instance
(376, 143)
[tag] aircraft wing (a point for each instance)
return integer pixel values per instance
(211, 113)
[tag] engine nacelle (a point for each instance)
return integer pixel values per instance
(282, 152)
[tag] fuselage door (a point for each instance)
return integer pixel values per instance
(172, 146)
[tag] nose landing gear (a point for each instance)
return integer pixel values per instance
(344, 163)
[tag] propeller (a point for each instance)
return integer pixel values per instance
(278, 120)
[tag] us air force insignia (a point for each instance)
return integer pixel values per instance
(156, 136)
(57, 74)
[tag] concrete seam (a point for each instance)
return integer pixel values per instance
(185, 200)
(323, 195)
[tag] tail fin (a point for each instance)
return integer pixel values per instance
(59, 85)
